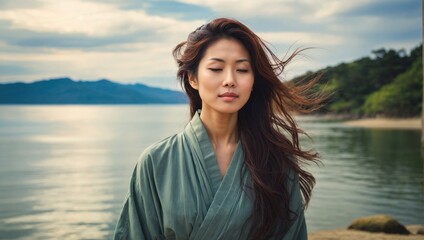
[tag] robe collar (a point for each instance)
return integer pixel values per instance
(204, 146)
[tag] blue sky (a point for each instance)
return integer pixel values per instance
(131, 41)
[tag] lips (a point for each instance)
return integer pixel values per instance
(228, 94)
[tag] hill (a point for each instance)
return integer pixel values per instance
(389, 84)
(67, 91)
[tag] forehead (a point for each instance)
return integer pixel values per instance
(226, 48)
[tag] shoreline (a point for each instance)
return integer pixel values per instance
(387, 123)
(346, 234)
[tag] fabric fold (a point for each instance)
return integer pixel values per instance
(177, 192)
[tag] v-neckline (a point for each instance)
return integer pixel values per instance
(209, 156)
(225, 192)
(213, 167)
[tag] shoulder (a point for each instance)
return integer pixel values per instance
(293, 188)
(159, 153)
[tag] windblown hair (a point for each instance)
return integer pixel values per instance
(268, 132)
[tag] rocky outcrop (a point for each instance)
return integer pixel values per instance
(379, 223)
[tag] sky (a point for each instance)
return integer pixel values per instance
(132, 41)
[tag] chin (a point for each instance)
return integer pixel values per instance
(229, 109)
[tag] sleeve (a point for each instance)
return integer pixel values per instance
(298, 228)
(139, 218)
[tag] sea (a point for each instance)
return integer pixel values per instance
(65, 169)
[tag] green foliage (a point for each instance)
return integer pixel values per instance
(343, 106)
(402, 97)
(388, 83)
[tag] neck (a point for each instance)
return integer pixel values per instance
(221, 127)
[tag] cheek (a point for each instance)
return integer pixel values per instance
(248, 82)
(252, 80)
(208, 83)
(206, 90)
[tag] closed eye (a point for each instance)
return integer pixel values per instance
(215, 69)
(243, 70)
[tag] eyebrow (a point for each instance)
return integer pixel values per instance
(237, 61)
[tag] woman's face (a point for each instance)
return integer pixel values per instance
(224, 77)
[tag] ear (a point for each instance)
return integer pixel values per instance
(193, 81)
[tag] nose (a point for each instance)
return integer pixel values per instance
(229, 80)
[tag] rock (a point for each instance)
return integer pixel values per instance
(415, 229)
(379, 223)
(420, 230)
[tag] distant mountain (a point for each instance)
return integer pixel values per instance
(67, 91)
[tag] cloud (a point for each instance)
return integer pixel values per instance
(304, 38)
(249, 9)
(28, 38)
(296, 10)
(10, 69)
(334, 8)
(19, 4)
(88, 40)
(91, 19)
(179, 10)
(390, 9)
(132, 41)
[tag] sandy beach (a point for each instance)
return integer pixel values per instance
(355, 235)
(345, 234)
(402, 123)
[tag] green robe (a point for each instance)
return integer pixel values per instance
(177, 192)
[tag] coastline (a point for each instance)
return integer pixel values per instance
(346, 234)
(387, 123)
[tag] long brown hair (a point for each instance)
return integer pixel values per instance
(267, 130)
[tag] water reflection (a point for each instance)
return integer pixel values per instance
(64, 170)
(374, 171)
(72, 178)
(70, 197)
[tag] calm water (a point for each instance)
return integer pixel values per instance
(64, 170)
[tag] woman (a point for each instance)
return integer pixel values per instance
(234, 172)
